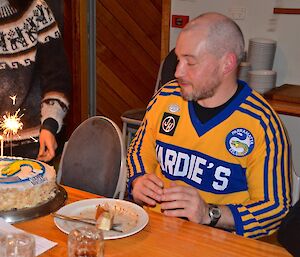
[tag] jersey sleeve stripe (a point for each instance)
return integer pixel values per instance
(276, 198)
(237, 218)
(269, 226)
(170, 93)
(266, 171)
(136, 147)
(283, 143)
(285, 150)
(134, 150)
(266, 164)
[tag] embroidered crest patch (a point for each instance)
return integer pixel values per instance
(168, 124)
(240, 142)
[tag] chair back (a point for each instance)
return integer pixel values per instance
(133, 118)
(295, 187)
(295, 176)
(295, 179)
(93, 159)
(168, 68)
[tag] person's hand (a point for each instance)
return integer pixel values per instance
(48, 146)
(184, 201)
(147, 189)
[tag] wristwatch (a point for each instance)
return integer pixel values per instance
(214, 213)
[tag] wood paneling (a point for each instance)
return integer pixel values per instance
(165, 28)
(128, 54)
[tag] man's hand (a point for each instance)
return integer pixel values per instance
(48, 146)
(147, 189)
(184, 201)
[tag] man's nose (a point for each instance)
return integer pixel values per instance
(179, 70)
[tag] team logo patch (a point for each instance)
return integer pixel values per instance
(174, 108)
(168, 124)
(240, 142)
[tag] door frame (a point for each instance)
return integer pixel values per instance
(165, 28)
(75, 40)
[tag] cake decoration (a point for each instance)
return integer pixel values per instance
(25, 183)
(18, 165)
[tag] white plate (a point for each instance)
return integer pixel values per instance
(87, 208)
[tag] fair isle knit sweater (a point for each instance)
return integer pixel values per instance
(33, 65)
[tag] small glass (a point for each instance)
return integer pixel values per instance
(2, 245)
(17, 245)
(86, 242)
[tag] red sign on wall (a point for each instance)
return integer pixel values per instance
(179, 21)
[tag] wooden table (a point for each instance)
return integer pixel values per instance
(163, 236)
(285, 99)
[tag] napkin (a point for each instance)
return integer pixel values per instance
(41, 244)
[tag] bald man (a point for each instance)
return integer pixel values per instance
(210, 149)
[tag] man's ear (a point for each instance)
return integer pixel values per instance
(230, 63)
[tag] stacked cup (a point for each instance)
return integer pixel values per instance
(262, 80)
(243, 70)
(261, 52)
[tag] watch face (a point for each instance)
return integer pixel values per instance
(214, 212)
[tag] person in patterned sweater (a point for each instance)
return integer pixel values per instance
(34, 77)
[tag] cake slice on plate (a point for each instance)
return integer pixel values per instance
(104, 217)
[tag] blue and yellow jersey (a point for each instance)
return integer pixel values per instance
(239, 158)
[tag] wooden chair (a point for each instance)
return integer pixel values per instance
(295, 176)
(295, 186)
(93, 159)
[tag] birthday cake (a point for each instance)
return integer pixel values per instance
(25, 183)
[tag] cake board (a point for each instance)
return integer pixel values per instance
(15, 216)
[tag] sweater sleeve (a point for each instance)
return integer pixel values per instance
(52, 68)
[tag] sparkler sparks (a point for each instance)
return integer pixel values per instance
(11, 124)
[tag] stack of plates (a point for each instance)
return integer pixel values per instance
(262, 80)
(261, 52)
(243, 71)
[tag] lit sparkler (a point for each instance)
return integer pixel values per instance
(11, 124)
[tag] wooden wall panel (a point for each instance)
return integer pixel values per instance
(128, 54)
(165, 28)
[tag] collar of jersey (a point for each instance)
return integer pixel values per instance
(223, 115)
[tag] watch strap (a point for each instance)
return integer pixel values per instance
(213, 217)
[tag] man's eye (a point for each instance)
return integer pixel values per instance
(190, 64)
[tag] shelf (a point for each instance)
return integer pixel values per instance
(286, 10)
(285, 99)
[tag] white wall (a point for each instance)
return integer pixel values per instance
(260, 21)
